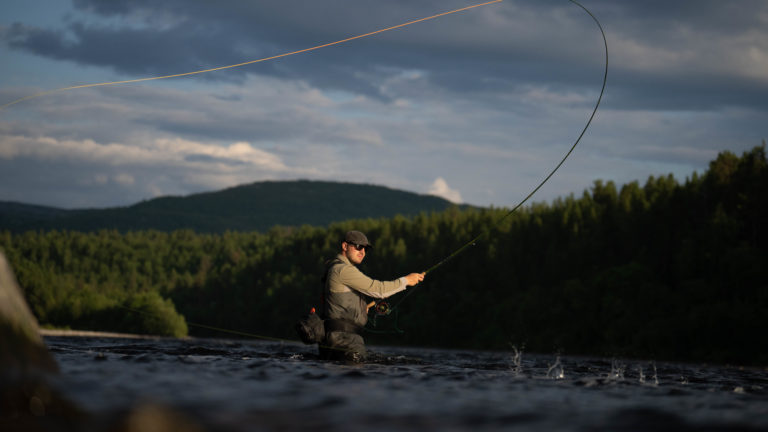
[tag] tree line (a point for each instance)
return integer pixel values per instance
(663, 270)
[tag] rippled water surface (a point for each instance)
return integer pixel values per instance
(243, 386)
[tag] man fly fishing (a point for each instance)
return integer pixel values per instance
(345, 292)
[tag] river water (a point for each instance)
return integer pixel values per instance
(244, 386)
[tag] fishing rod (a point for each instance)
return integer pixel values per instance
(383, 308)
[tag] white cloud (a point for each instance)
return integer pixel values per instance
(47, 148)
(124, 179)
(162, 151)
(440, 188)
(224, 157)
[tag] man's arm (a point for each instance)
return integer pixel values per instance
(352, 277)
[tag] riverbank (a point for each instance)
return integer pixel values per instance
(89, 333)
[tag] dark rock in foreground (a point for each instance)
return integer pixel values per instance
(27, 401)
(22, 350)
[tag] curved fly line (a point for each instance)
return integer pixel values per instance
(264, 59)
(386, 309)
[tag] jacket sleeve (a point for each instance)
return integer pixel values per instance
(352, 277)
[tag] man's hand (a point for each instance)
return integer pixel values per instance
(414, 278)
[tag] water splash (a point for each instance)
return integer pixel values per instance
(517, 361)
(617, 370)
(556, 371)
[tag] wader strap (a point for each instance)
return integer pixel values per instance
(332, 325)
(324, 279)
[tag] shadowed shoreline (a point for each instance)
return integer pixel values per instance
(102, 334)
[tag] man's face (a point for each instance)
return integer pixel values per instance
(352, 253)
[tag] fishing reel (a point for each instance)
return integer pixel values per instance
(382, 308)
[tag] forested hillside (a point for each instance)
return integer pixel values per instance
(660, 270)
(252, 207)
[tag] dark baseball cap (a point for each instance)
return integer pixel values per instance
(357, 237)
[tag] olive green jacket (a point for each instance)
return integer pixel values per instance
(346, 289)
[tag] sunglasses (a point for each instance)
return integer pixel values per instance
(358, 246)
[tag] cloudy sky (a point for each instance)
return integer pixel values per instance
(476, 106)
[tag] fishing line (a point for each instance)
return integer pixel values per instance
(37, 95)
(208, 327)
(562, 161)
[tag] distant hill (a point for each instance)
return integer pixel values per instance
(253, 207)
